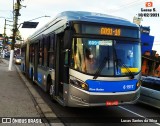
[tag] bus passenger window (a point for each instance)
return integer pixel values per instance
(45, 53)
(51, 54)
(40, 56)
(48, 47)
(51, 60)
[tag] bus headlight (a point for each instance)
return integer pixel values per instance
(78, 83)
(139, 83)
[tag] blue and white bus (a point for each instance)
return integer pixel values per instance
(85, 59)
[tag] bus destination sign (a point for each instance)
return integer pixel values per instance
(107, 30)
(110, 31)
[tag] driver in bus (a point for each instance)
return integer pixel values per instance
(89, 61)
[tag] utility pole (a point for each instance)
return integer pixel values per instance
(4, 36)
(16, 13)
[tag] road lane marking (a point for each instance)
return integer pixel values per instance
(136, 114)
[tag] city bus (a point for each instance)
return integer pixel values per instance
(85, 59)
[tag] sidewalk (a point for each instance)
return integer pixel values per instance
(16, 99)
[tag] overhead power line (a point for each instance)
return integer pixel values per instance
(125, 5)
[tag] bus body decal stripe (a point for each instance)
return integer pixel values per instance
(111, 86)
(39, 78)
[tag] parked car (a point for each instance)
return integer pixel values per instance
(7, 54)
(150, 91)
(18, 60)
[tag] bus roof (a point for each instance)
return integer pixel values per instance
(67, 16)
(94, 17)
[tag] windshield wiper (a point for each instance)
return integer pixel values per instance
(117, 61)
(101, 66)
(126, 67)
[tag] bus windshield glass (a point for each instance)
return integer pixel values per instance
(106, 56)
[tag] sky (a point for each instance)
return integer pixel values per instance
(39, 8)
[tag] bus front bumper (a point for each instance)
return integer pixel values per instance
(80, 98)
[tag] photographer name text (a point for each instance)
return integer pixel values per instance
(138, 121)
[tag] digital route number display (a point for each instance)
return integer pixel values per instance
(110, 31)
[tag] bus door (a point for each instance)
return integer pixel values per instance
(35, 60)
(59, 65)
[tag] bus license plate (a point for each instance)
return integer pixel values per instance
(111, 103)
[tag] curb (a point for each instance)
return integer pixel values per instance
(41, 106)
(43, 109)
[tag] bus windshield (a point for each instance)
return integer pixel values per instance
(92, 56)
